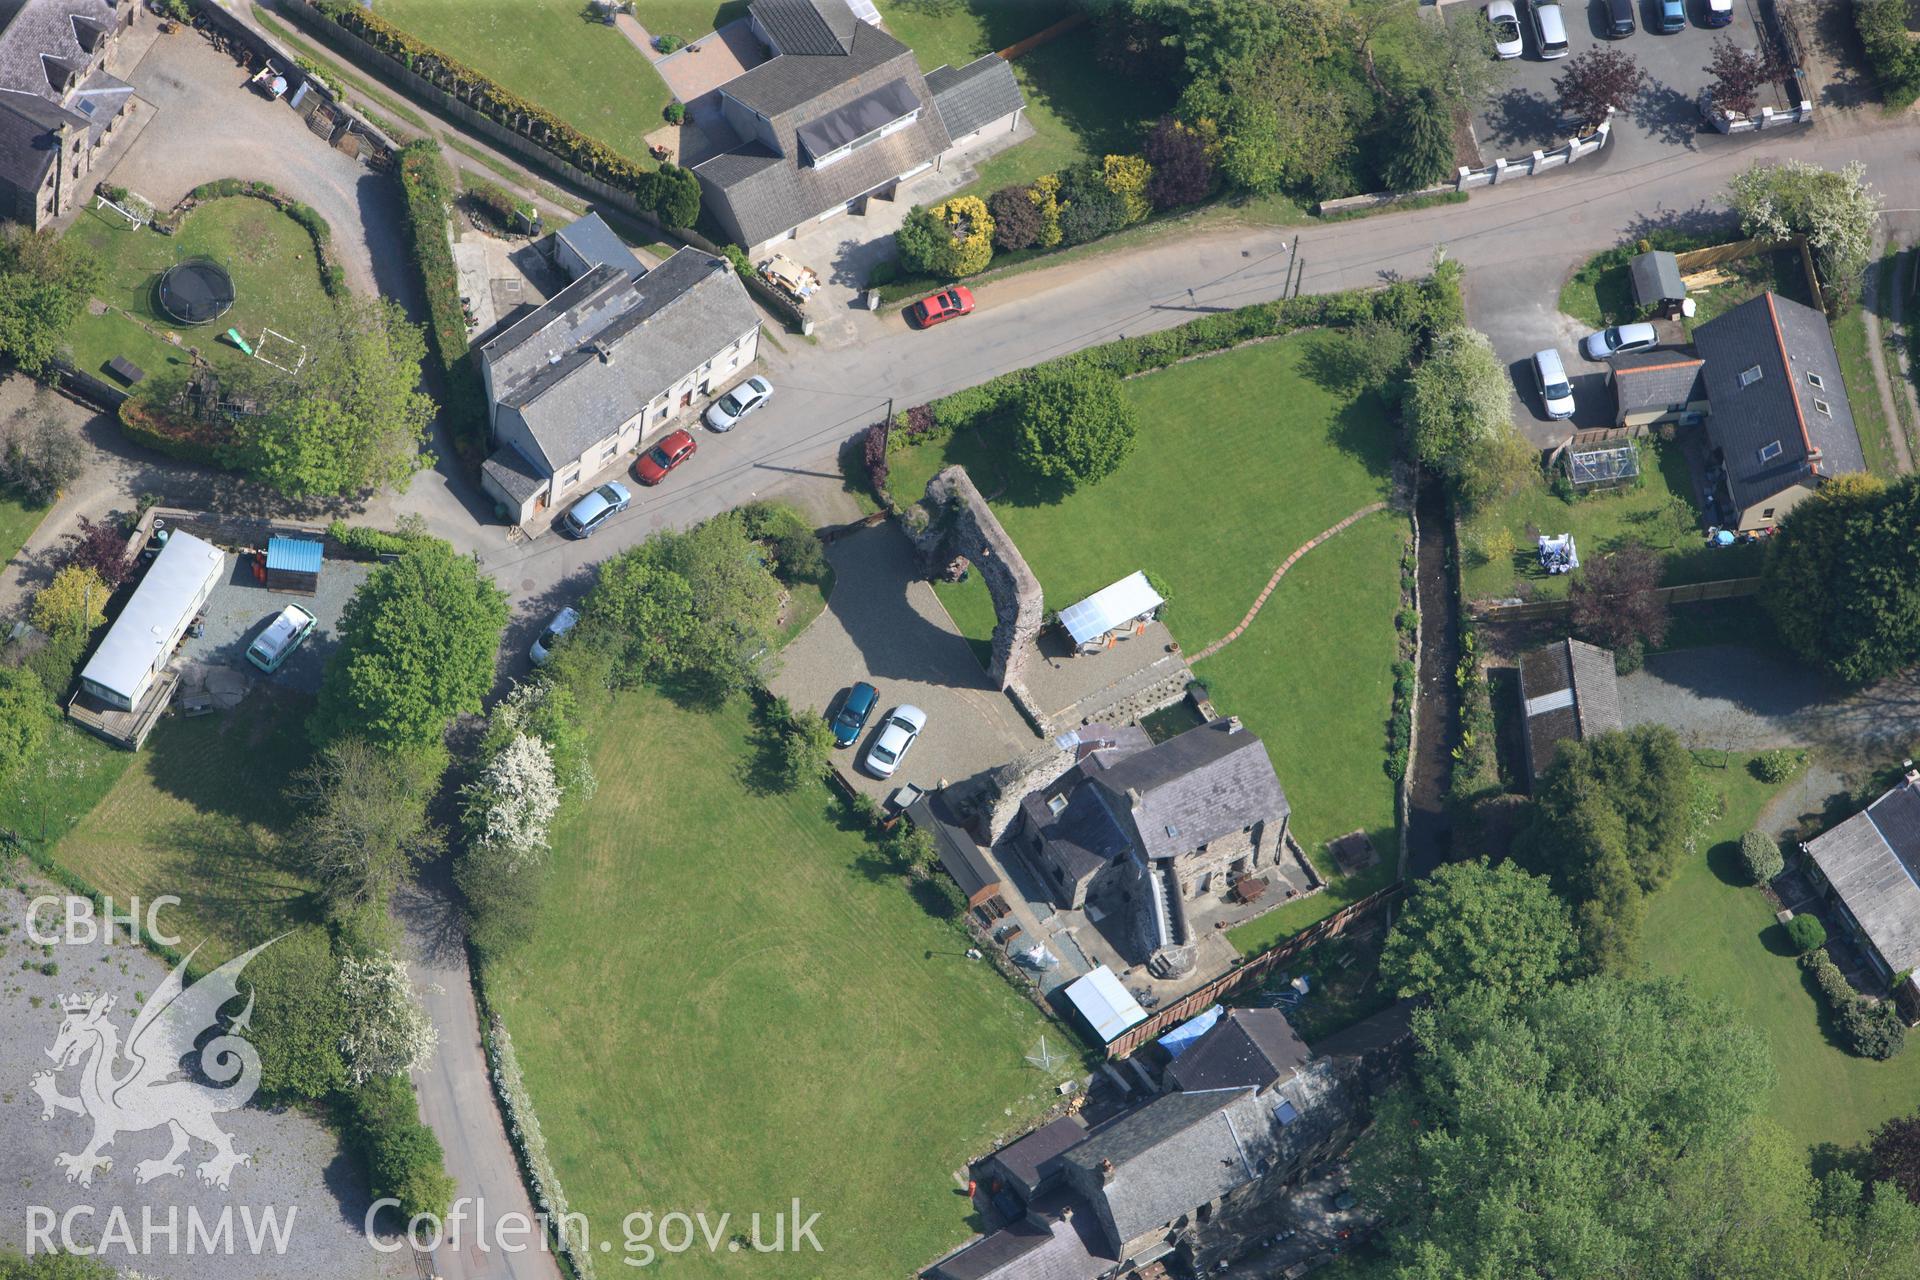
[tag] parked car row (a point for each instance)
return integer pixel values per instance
(1550, 26)
(899, 730)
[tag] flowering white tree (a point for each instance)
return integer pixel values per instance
(387, 1032)
(512, 803)
(545, 710)
(1836, 211)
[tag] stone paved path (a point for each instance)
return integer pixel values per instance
(1280, 573)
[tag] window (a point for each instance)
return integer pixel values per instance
(613, 446)
(569, 480)
(1750, 376)
(1057, 805)
(1286, 1113)
(1768, 452)
(1814, 380)
(1767, 514)
(1823, 407)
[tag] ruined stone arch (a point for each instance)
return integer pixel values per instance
(961, 531)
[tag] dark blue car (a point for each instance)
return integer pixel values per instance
(853, 715)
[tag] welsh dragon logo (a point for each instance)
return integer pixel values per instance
(143, 1085)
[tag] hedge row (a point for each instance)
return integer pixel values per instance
(373, 542)
(1872, 1028)
(671, 193)
(332, 278)
(404, 1157)
(428, 188)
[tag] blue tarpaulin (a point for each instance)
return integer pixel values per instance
(293, 555)
(1176, 1041)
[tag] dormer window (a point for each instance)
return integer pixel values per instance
(860, 123)
(1750, 376)
(1768, 452)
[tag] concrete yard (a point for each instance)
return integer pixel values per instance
(240, 608)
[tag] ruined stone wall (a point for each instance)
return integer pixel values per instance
(961, 532)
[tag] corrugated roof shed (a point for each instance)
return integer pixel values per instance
(294, 555)
(1872, 860)
(1108, 1007)
(1111, 606)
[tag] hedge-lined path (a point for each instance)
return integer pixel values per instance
(1280, 573)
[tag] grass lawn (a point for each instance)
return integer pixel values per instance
(268, 254)
(1242, 458)
(585, 72)
(17, 523)
(1659, 512)
(1313, 677)
(197, 814)
(61, 785)
(1863, 393)
(728, 1003)
(1719, 934)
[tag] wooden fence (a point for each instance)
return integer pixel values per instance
(1687, 593)
(1718, 254)
(1253, 970)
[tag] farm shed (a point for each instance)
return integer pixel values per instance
(293, 564)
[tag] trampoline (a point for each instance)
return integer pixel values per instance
(195, 291)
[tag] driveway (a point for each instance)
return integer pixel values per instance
(884, 625)
(240, 607)
(209, 125)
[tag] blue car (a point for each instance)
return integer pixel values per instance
(594, 510)
(1673, 16)
(853, 714)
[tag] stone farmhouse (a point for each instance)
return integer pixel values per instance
(838, 115)
(1869, 868)
(1141, 829)
(605, 365)
(1248, 1111)
(58, 103)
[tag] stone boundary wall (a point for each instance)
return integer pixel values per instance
(1687, 593)
(1532, 166)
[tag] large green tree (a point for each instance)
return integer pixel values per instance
(1842, 581)
(363, 823)
(45, 282)
(297, 1016)
(1549, 1140)
(1074, 425)
(355, 420)
(1421, 151)
(1476, 927)
(417, 647)
(1460, 413)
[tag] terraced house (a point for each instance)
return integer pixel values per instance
(58, 102)
(839, 114)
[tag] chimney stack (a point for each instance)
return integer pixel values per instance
(1106, 1171)
(1913, 774)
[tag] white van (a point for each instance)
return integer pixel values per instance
(1551, 29)
(1555, 390)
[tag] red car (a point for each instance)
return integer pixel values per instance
(654, 464)
(945, 305)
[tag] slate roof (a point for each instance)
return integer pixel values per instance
(1657, 380)
(1034, 1158)
(606, 345)
(959, 852)
(1785, 341)
(1059, 1240)
(517, 477)
(595, 241)
(808, 27)
(1655, 277)
(1872, 860)
(1568, 691)
(767, 189)
(975, 95)
(1197, 787)
(1246, 1047)
(27, 145)
(1172, 1154)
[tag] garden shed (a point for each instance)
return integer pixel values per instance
(1656, 280)
(293, 564)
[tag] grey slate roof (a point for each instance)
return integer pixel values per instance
(1872, 860)
(27, 143)
(1657, 380)
(1246, 1047)
(1029, 1161)
(63, 31)
(1656, 278)
(519, 478)
(1059, 1240)
(1567, 691)
(959, 852)
(595, 241)
(975, 95)
(764, 189)
(1785, 341)
(1172, 1154)
(1197, 787)
(807, 27)
(605, 345)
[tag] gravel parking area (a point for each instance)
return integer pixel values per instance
(240, 609)
(1524, 115)
(298, 1167)
(885, 626)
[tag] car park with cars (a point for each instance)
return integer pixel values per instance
(1673, 16)
(1550, 30)
(674, 448)
(1551, 376)
(594, 510)
(854, 710)
(1504, 20)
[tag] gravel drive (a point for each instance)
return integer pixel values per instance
(240, 608)
(298, 1166)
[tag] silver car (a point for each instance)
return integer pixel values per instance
(1619, 341)
(898, 732)
(727, 411)
(1504, 20)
